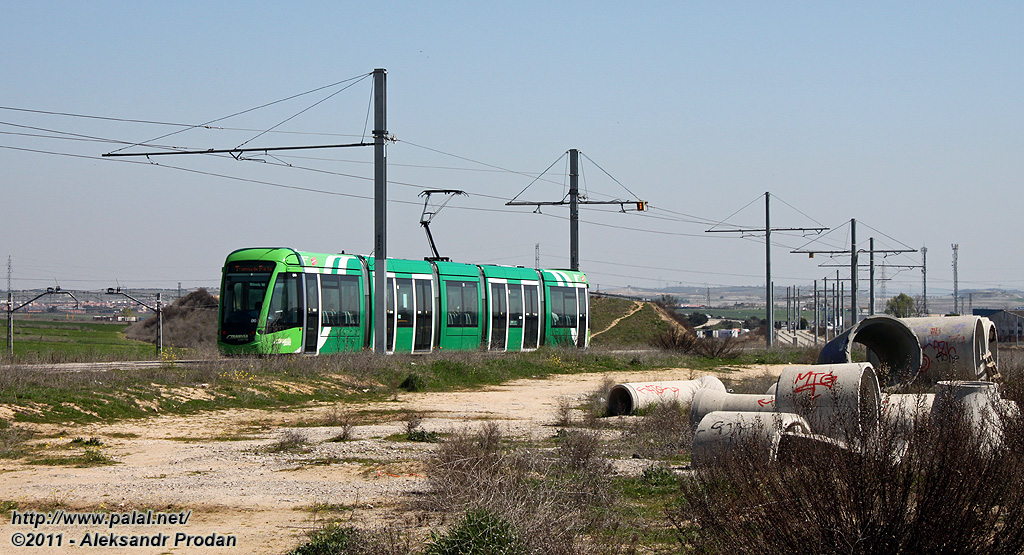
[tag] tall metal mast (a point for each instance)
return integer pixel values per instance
(574, 211)
(767, 230)
(956, 280)
(380, 135)
(924, 280)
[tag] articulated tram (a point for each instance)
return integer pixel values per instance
(279, 300)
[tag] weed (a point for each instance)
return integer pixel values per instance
(92, 442)
(596, 405)
(12, 440)
(563, 411)
(341, 419)
(290, 440)
(663, 431)
(548, 502)
(480, 533)
(334, 539)
(90, 456)
(423, 436)
(414, 382)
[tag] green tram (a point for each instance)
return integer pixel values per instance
(279, 300)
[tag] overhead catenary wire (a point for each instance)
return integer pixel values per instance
(358, 77)
(667, 216)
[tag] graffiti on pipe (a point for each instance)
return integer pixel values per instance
(810, 381)
(766, 401)
(657, 389)
(944, 351)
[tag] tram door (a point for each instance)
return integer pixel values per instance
(531, 316)
(390, 314)
(312, 332)
(499, 317)
(584, 299)
(424, 315)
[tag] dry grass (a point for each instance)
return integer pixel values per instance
(549, 501)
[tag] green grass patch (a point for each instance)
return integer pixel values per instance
(604, 311)
(89, 456)
(40, 340)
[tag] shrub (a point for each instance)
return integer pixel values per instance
(939, 489)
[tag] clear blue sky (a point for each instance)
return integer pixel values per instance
(906, 116)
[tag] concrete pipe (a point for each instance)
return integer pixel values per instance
(981, 405)
(722, 434)
(901, 411)
(706, 401)
(892, 347)
(991, 359)
(797, 449)
(626, 398)
(953, 348)
(837, 399)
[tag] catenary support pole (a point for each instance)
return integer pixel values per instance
(574, 209)
(160, 326)
(380, 183)
(871, 277)
(816, 313)
(769, 294)
(853, 272)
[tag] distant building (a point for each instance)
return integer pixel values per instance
(1009, 323)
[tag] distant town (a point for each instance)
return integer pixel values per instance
(116, 305)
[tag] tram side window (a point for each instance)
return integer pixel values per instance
(404, 302)
(515, 306)
(340, 299)
(463, 303)
(564, 307)
(284, 304)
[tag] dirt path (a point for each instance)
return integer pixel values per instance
(218, 465)
(637, 305)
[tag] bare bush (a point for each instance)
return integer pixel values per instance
(338, 418)
(942, 489)
(686, 342)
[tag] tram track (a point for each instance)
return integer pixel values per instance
(58, 367)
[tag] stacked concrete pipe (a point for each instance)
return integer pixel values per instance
(893, 348)
(706, 401)
(833, 400)
(627, 398)
(954, 347)
(719, 432)
(980, 404)
(839, 400)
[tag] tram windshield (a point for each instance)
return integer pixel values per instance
(244, 291)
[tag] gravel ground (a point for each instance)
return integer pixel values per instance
(220, 465)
